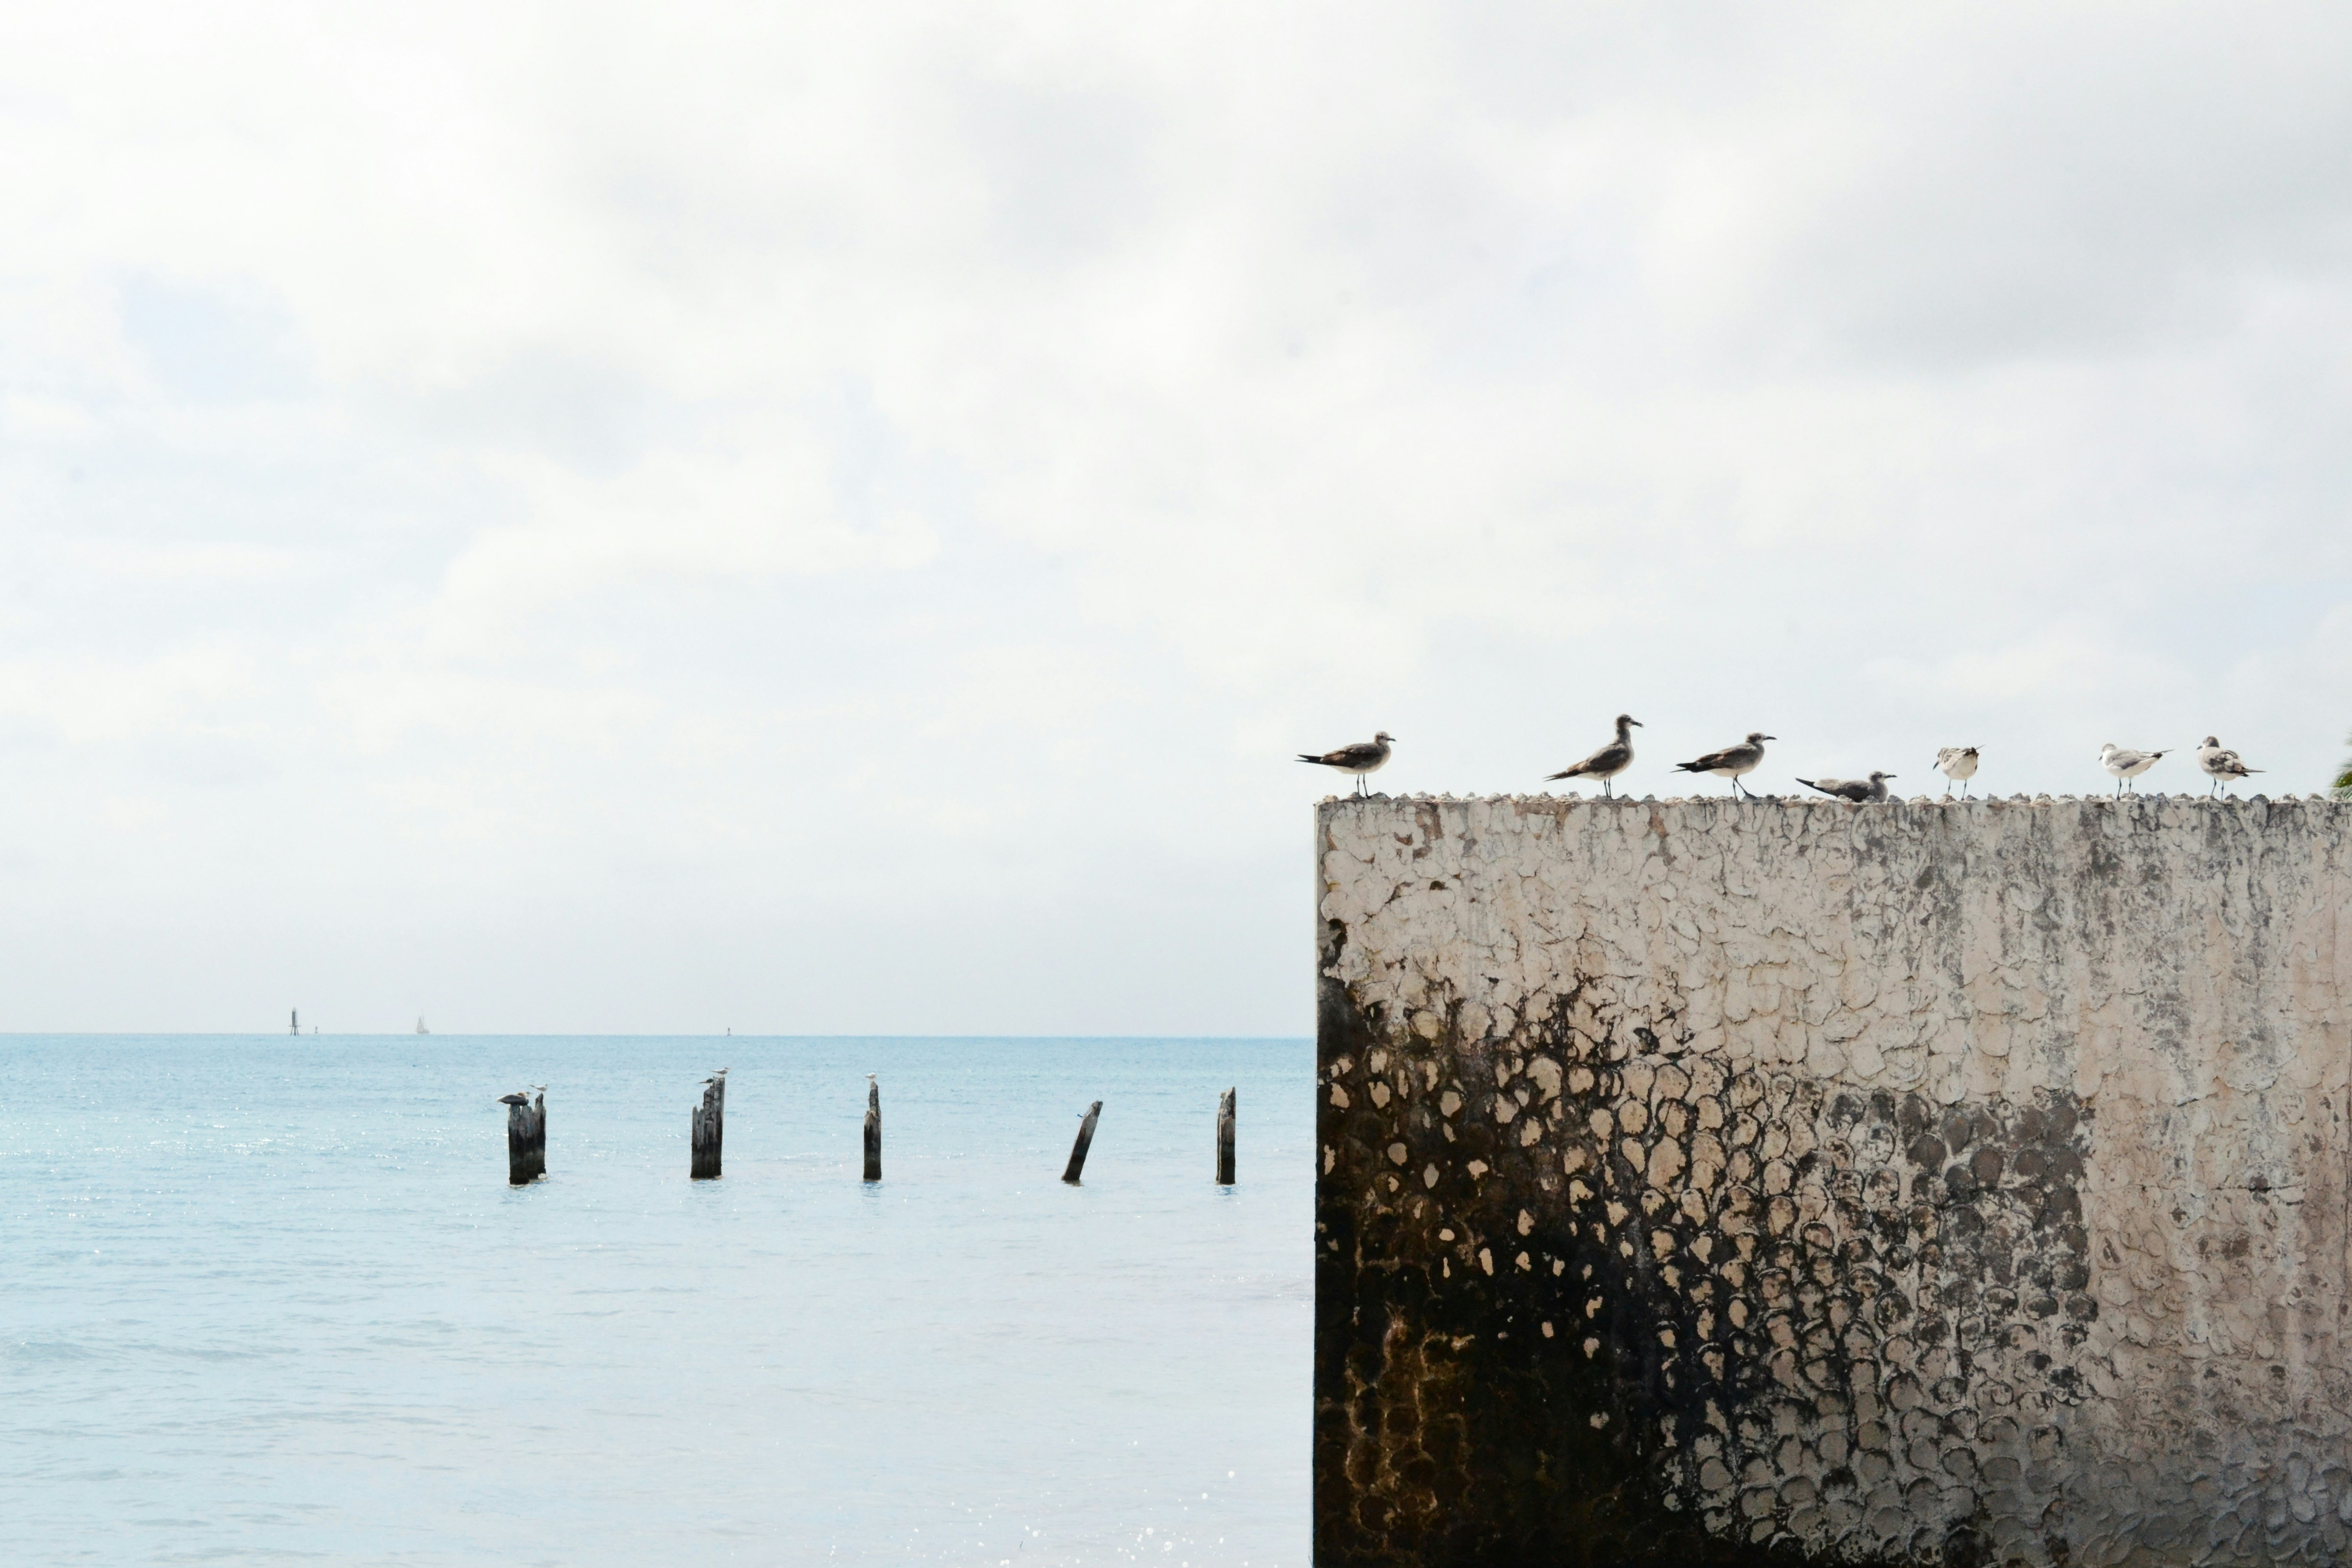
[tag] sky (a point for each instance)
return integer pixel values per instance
(821, 519)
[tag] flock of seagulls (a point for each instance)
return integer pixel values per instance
(1957, 763)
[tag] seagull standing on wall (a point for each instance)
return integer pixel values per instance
(1958, 764)
(1608, 762)
(2122, 763)
(1363, 757)
(1858, 791)
(2222, 765)
(1732, 761)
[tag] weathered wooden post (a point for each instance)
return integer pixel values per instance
(1225, 1139)
(710, 1126)
(1078, 1149)
(873, 1129)
(526, 1136)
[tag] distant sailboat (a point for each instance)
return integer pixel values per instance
(420, 1025)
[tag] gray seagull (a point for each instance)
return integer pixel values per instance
(1958, 764)
(1872, 788)
(2222, 765)
(1732, 761)
(1363, 757)
(1608, 762)
(2122, 763)
(514, 1099)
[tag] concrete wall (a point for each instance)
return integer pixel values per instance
(1718, 1182)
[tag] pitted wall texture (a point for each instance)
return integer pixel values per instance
(1709, 1181)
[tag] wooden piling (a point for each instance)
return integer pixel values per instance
(1078, 1149)
(1225, 1139)
(525, 1139)
(873, 1129)
(709, 1127)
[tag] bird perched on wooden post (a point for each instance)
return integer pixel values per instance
(2222, 765)
(1608, 762)
(1732, 761)
(1872, 788)
(1363, 757)
(1958, 764)
(2122, 763)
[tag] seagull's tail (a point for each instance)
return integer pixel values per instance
(1304, 758)
(1688, 768)
(1811, 784)
(1575, 772)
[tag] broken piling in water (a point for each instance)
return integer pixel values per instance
(526, 1139)
(1225, 1139)
(1078, 1149)
(709, 1127)
(873, 1129)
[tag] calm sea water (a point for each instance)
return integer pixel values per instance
(270, 1300)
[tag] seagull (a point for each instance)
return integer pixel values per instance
(2221, 764)
(1958, 763)
(1732, 761)
(514, 1099)
(1608, 762)
(2123, 764)
(1363, 757)
(1855, 790)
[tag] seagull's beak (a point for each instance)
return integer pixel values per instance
(1637, 723)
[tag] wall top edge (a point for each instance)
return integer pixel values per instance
(1925, 802)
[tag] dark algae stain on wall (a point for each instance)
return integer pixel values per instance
(1610, 1304)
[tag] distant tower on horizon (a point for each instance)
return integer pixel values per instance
(296, 1027)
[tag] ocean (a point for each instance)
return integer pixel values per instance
(270, 1300)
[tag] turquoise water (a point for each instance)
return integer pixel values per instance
(271, 1301)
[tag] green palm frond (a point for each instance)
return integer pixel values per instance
(2342, 785)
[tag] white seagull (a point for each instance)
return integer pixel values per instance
(1732, 761)
(1608, 762)
(1872, 788)
(2222, 765)
(1363, 757)
(2122, 763)
(1958, 764)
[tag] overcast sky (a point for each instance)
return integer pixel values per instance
(836, 518)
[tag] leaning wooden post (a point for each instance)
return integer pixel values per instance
(709, 1127)
(526, 1138)
(873, 1129)
(1225, 1139)
(1078, 1149)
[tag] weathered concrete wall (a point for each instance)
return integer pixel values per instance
(1718, 1182)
